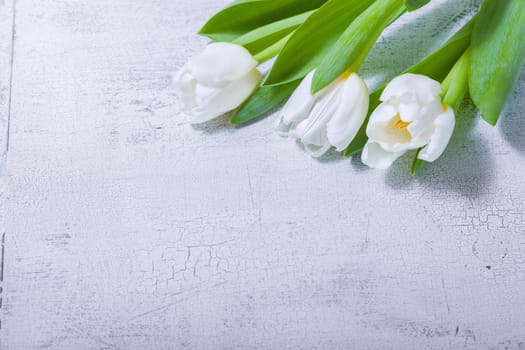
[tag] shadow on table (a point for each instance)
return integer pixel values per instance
(222, 123)
(332, 156)
(216, 126)
(421, 33)
(512, 122)
(466, 167)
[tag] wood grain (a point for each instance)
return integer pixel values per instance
(127, 228)
(6, 39)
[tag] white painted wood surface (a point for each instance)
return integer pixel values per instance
(6, 39)
(127, 228)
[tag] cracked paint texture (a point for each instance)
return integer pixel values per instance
(127, 228)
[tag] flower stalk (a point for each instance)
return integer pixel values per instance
(272, 50)
(354, 45)
(267, 41)
(455, 85)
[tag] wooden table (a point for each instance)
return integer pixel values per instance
(127, 228)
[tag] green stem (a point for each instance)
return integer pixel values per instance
(269, 39)
(290, 23)
(272, 50)
(353, 46)
(391, 11)
(455, 85)
(437, 65)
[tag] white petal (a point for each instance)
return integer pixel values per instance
(313, 129)
(215, 101)
(317, 151)
(379, 128)
(413, 111)
(310, 133)
(421, 131)
(351, 113)
(422, 126)
(412, 86)
(410, 112)
(281, 127)
(383, 113)
(300, 103)
(444, 127)
(376, 157)
(222, 62)
(185, 85)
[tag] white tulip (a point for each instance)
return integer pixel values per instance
(217, 81)
(411, 116)
(330, 118)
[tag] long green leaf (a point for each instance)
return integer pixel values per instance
(437, 66)
(244, 16)
(311, 42)
(357, 40)
(413, 5)
(261, 38)
(265, 99)
(498, 55)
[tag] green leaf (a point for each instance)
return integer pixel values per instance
(413, 5)
(311, 42)
(261, 38)
(273, 50)
(417, 163)
(455, 85)
(353, 45)
(498, 55)
(265, 99)
(437, 66)
(243, 16)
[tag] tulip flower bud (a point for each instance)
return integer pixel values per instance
(412, 116)
(330, 118)
(216, 81)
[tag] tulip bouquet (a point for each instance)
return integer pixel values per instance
(315, 49)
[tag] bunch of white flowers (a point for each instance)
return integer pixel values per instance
(319, 46)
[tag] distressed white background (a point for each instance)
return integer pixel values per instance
(126, 228)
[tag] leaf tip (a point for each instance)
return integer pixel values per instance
(490, 118)
(317, 85)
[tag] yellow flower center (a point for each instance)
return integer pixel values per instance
(400, 124)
